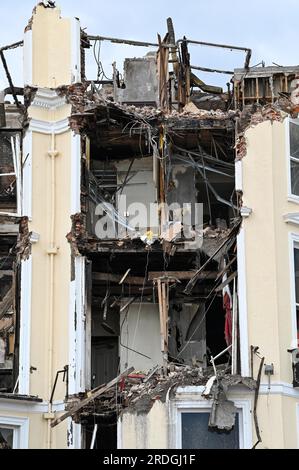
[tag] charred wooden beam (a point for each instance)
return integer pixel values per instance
(5, 66)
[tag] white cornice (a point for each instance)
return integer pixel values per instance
(23, 406)
(292, 218)
(276, 388)
(48, 99)
(279, 388)
(49, 127)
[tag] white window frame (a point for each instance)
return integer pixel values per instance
(293, 243)
(291, 197)
(20, 426)
(204, 406)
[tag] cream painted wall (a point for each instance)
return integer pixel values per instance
(51, 48)
(276, 418)
(268, 273)
(145, 431)
(41, 209)
(36, 423)
(290, 418)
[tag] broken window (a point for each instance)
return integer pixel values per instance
(197, 435)
(294, 156)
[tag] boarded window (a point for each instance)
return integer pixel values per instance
(196, 433)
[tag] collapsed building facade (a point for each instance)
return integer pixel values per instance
(148, 249)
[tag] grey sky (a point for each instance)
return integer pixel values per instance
(269, 27)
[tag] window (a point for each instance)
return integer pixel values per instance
(190, 420)
(6, 438)
(196, 433)
(296, 278)
(294, 156)
(13, 432)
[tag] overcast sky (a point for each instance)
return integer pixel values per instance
(268, 27)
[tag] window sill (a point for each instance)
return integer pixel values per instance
(293, 198)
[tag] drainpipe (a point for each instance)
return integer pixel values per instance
(52, 252)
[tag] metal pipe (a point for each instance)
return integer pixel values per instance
(202, 165)
(206, 157)
(65, 372)
(193, 281)
(51, 252)
(205, 69)
(55, 384)
(256, 396)
(221, 354)
(131, 42)
(223, 46)
(12, 46)
(211, 44)
(219, 198)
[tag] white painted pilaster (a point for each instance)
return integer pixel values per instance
(77, 328)
(76, 175)
(25, 327)
(27, 175)
(76, 51)
(242, 298)
(27, 58)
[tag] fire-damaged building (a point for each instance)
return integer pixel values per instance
(149, 247)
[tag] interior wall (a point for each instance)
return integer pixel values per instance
(139, 189)
(141, 81)
(181, 187)
(187, 327)
(140, 330)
